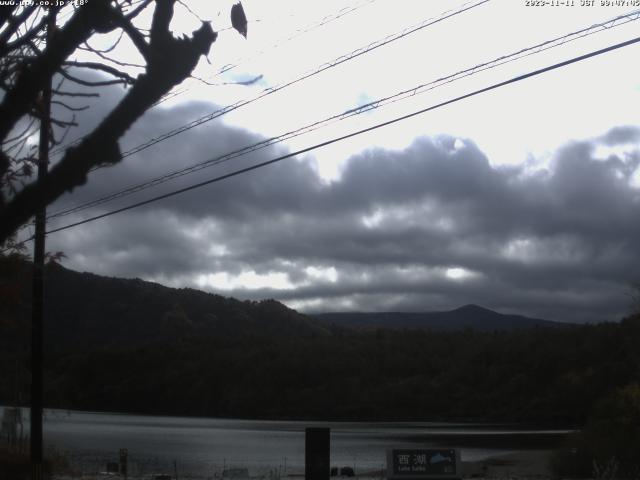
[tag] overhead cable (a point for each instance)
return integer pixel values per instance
(311, 73)
(422, 88)
(352, 134)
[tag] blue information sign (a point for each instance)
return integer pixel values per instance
(422, 463)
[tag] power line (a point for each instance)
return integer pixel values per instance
(297, 33)
(556, 42)
(225, 68)
(230, 66)
(340, 138)
(268, 91)
(353, 134)
(326, 66)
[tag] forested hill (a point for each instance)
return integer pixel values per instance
(83, 310)
(135, 346)
(466, 317)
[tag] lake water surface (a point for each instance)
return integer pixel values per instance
(203, 447)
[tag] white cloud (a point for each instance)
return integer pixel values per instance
(460, 274)
(247, 280)
(322, 273)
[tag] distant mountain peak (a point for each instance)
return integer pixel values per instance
(472, 307)
(470, 316)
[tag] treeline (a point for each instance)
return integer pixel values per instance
(131, 346)
(542, 376)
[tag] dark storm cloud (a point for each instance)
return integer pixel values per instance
(621, 135)
(558, 243)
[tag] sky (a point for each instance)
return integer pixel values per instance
(524, 199)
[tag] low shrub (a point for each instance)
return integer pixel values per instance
(608, 445)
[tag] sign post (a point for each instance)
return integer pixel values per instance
(412, 463)
(124, 460)
(316, 453)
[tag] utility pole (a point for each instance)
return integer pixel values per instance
(37, 302)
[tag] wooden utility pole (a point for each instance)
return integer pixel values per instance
(37, 302)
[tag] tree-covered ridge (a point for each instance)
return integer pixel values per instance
(87, 310)
(543, 376)
(467, 316)
(152, 349)
(129, 312)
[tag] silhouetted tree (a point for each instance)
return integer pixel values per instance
(28, 62)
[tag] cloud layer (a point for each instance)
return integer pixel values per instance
(430, 227)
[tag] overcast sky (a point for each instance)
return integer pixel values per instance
(524, 200)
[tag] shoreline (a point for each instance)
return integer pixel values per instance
(525, 464)
(428, 422)
(521, 464)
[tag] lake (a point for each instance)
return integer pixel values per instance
(203, 447)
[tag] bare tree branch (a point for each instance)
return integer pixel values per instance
(125, 77)
(101, 54)
(89, 83)
(134, 13)
(160, 33)
(6, 13)
(22, 133)
(5, 47)
(77, 30)
(101, 146)
(194, 14)
(69, 107)
(106, 50)
(63, 93)
(63, 123)
(134, 34)
(13, 24)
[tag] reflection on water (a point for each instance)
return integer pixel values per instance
(203, 447)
